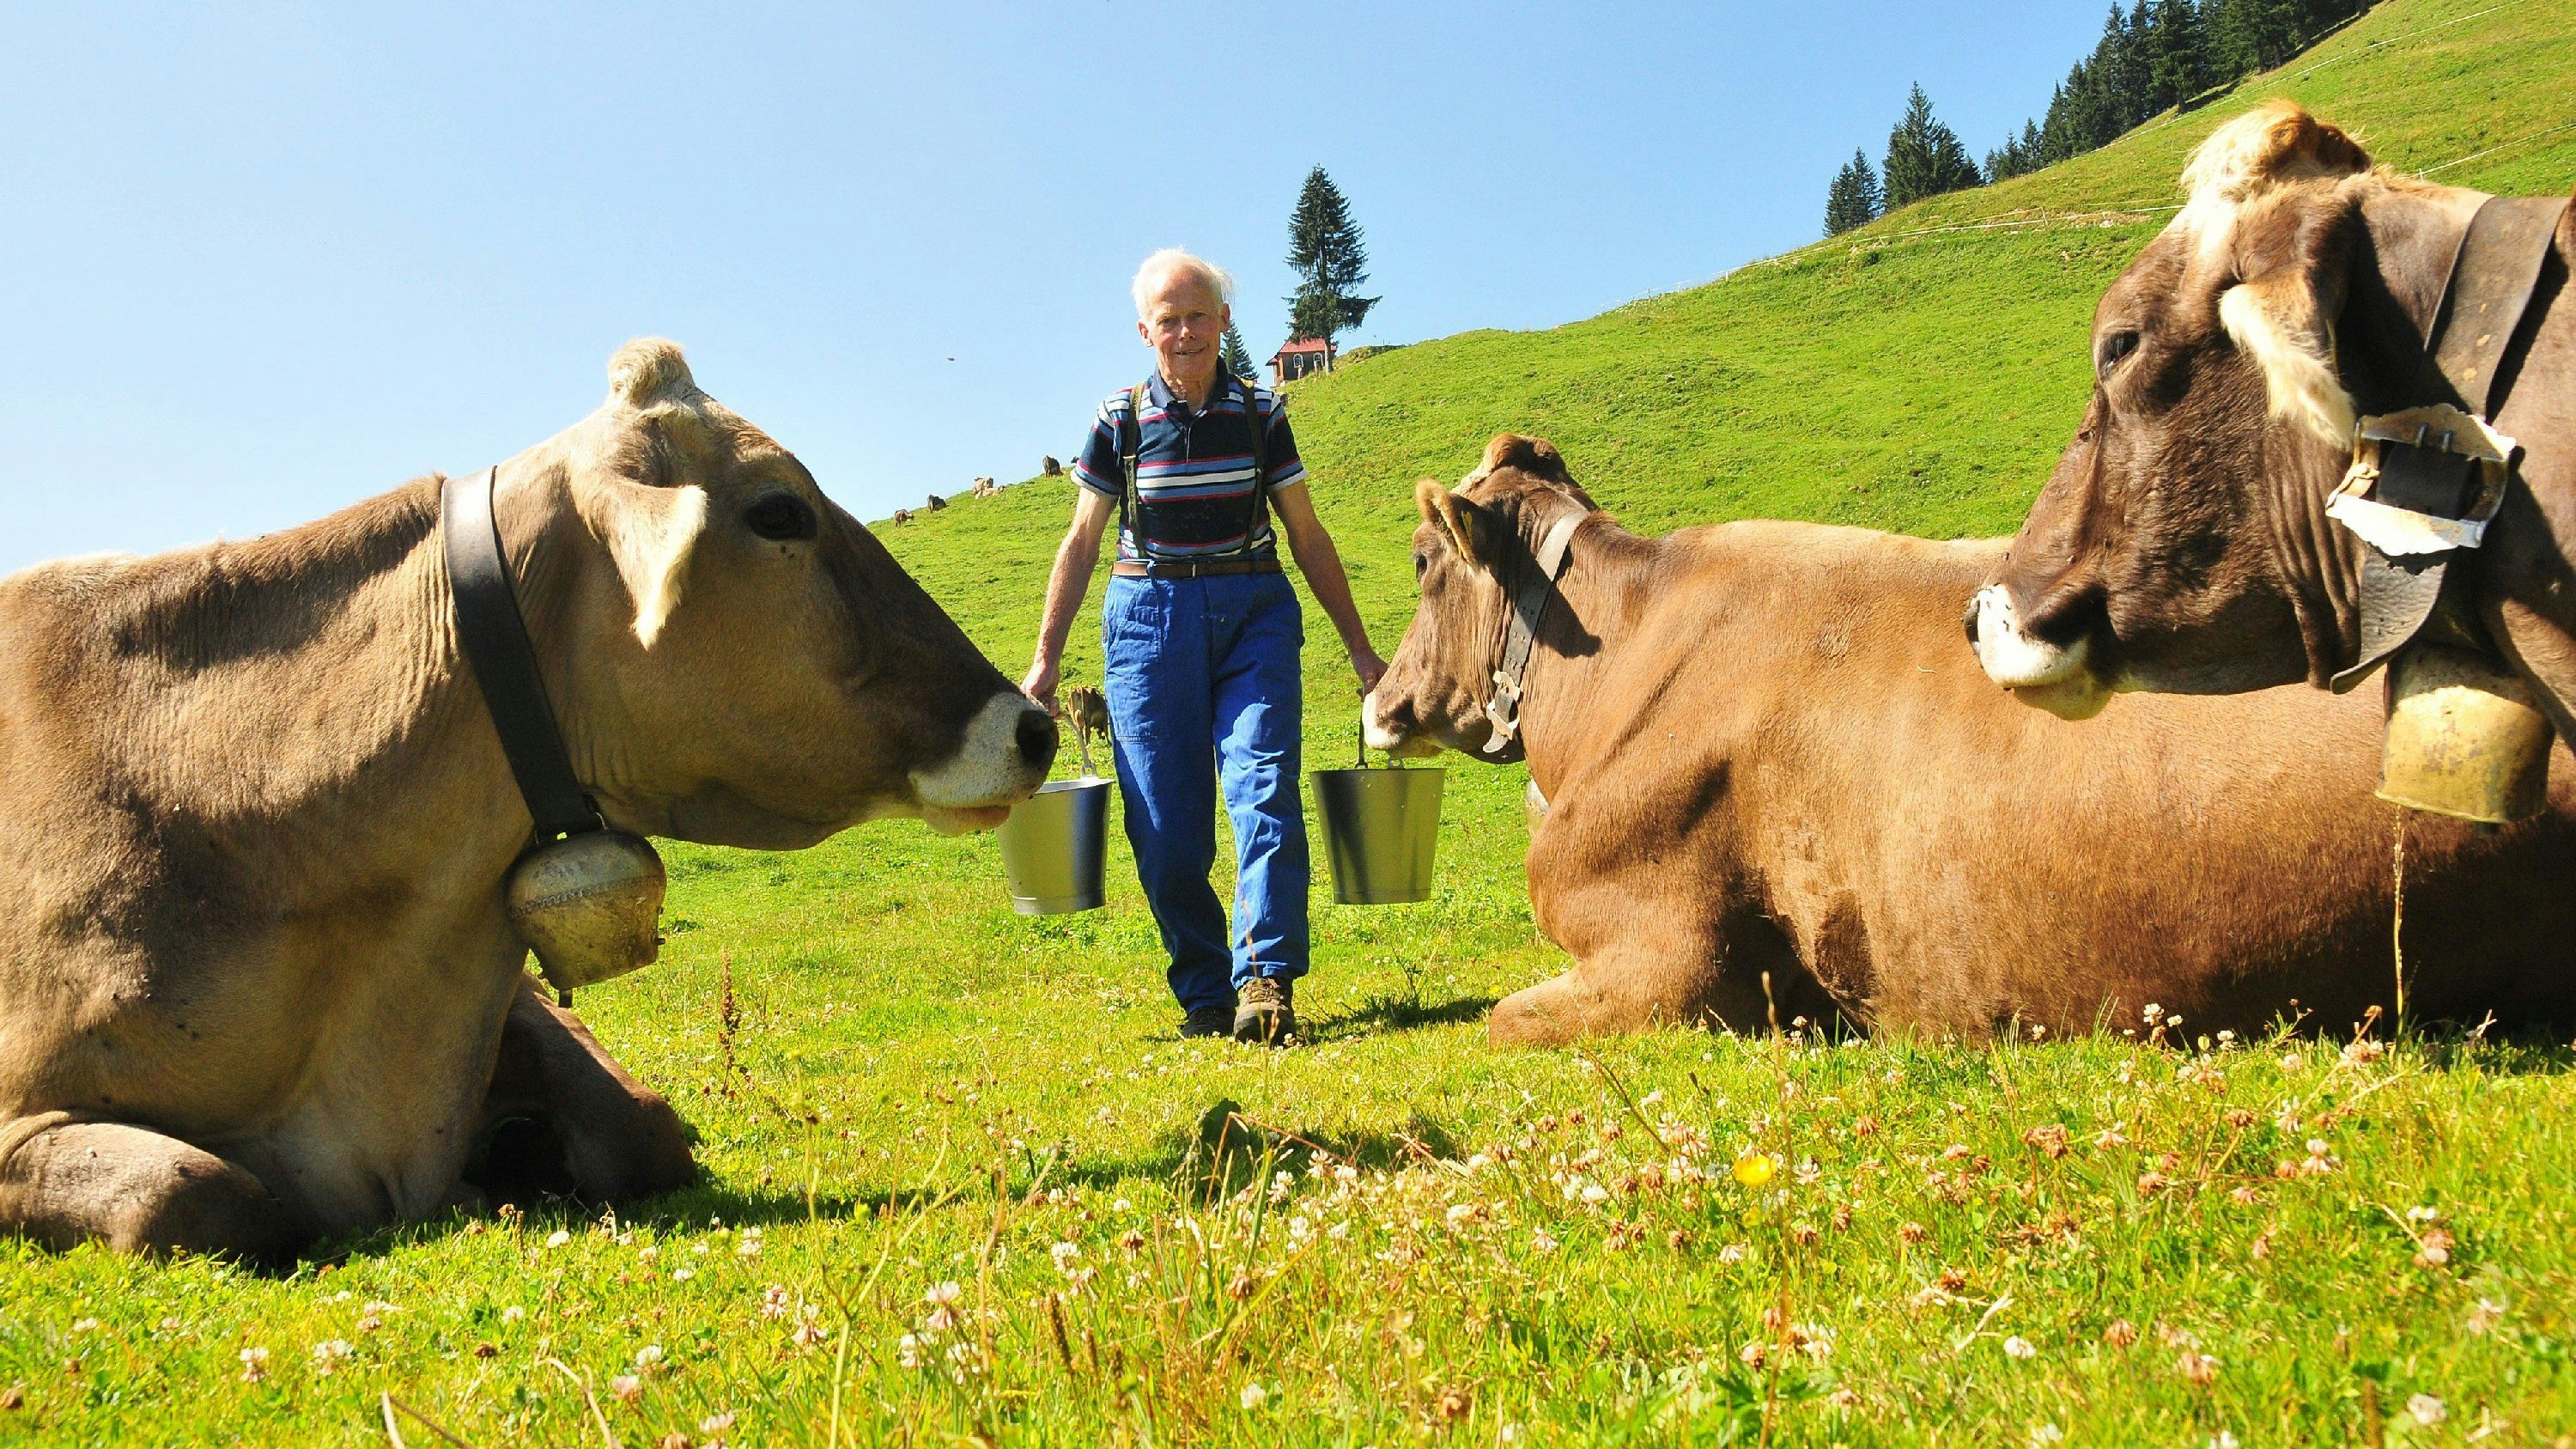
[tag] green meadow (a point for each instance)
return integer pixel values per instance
(964, 1184)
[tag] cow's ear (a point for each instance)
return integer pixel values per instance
(1468, 526)
(2294, 260)
(650, 533)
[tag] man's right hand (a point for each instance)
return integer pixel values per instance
(1040, 685)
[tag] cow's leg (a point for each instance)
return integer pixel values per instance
(1622, 989)
(65, 1180)
(562, 1117)
(1666, 973)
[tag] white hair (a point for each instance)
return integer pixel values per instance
(1159, 267)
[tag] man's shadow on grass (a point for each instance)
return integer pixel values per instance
(1395, 1013)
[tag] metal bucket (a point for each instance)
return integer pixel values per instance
(1381, 830)
(1052, 847)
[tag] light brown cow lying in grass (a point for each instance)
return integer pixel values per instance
(1765, 751)
(256, 982)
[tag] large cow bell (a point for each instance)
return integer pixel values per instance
(589, 905)
(2465, 738)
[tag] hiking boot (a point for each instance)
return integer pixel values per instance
(1265, 1013)
(1209, 1021)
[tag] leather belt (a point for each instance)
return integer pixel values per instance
(1129, 568)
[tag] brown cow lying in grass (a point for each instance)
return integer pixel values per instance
(256, 981)
(1764, 751)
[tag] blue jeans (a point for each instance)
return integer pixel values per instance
(1202, 679)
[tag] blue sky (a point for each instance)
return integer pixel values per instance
(257, 262)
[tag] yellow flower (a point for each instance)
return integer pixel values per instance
(1755, 1168)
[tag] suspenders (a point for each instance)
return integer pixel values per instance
(1131, 441)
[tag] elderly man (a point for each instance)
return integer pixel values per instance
(1201, 631)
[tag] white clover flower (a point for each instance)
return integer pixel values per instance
(627, 1387)
(1542, 1241)
(773, 1302)
(2426, 1410)
(942, 1295)
(513, 1313)
(2017, 1346)
(558, 1238)
(254, 1362)
(1254, 1395)
(907, 1351)
(683, 1275)
(649, 1355)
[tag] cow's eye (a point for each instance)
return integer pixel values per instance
(1421, 562)
(780, 516)
(2114, 347)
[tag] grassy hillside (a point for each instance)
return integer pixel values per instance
(1673, 1239)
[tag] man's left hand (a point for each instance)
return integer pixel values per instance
(1369, 667)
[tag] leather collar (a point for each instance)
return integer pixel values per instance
(493, 636)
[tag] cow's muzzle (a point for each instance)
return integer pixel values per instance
(2055, 677)
(1009, 746)
(1390, 728)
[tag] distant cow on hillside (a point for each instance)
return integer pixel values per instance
(903, 515)
(1048, 467)
(1764, 752)
(937, 503)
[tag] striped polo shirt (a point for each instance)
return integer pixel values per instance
(1194, 480)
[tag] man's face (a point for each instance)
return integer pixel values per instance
(1183, 323)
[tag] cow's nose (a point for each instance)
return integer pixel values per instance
(1038, 738)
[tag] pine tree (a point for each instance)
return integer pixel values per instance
(2017, 156)
(2177, 56)
(1924, 157)
(1326, 251)
(2246, 36)
(2126, 59)
(1233, 356)
(1854, 199)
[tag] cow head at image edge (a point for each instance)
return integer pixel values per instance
(2181, 544)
